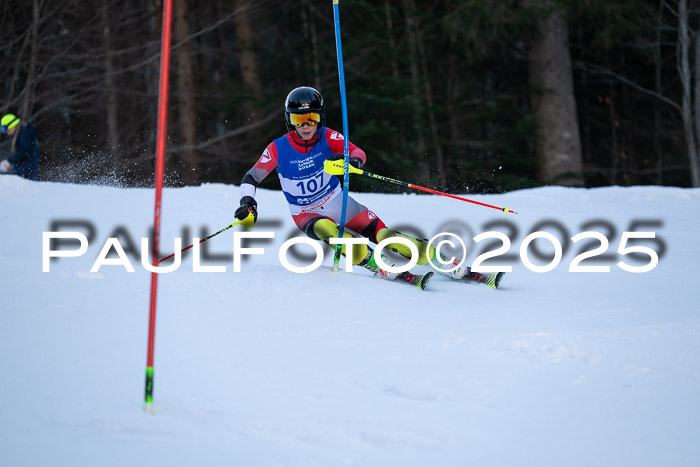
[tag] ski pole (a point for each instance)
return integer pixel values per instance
(247, 222)
(336, 168)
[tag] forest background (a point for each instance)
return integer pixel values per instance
(476, 96)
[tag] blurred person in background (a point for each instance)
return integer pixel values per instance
(24, 160)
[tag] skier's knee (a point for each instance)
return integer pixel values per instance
(322, 228)
(422, 245)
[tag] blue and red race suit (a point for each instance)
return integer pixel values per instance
(306, 186)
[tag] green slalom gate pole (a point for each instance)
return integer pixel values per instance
(334, 168)
(346, 146)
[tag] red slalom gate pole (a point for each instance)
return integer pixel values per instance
(160, 169)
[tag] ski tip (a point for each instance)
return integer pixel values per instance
(423, 282)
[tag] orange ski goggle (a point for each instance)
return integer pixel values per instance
(299, 119)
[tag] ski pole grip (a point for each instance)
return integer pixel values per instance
(337, 167)
(249, 219)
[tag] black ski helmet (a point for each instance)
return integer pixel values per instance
(304, 100)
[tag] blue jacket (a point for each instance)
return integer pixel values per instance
(25, 160)
(302, 177)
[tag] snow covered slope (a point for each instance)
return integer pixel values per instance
(265, 367)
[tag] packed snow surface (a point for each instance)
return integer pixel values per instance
(267, 367)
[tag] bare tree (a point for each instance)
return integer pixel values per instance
(420, 146)
(553, 101)
(110, 91)
(187, 117)
(33, 52)
(690, 83)
(311, 37)
(250, 76)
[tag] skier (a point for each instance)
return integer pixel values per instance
(25, 158)
(314, 195)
